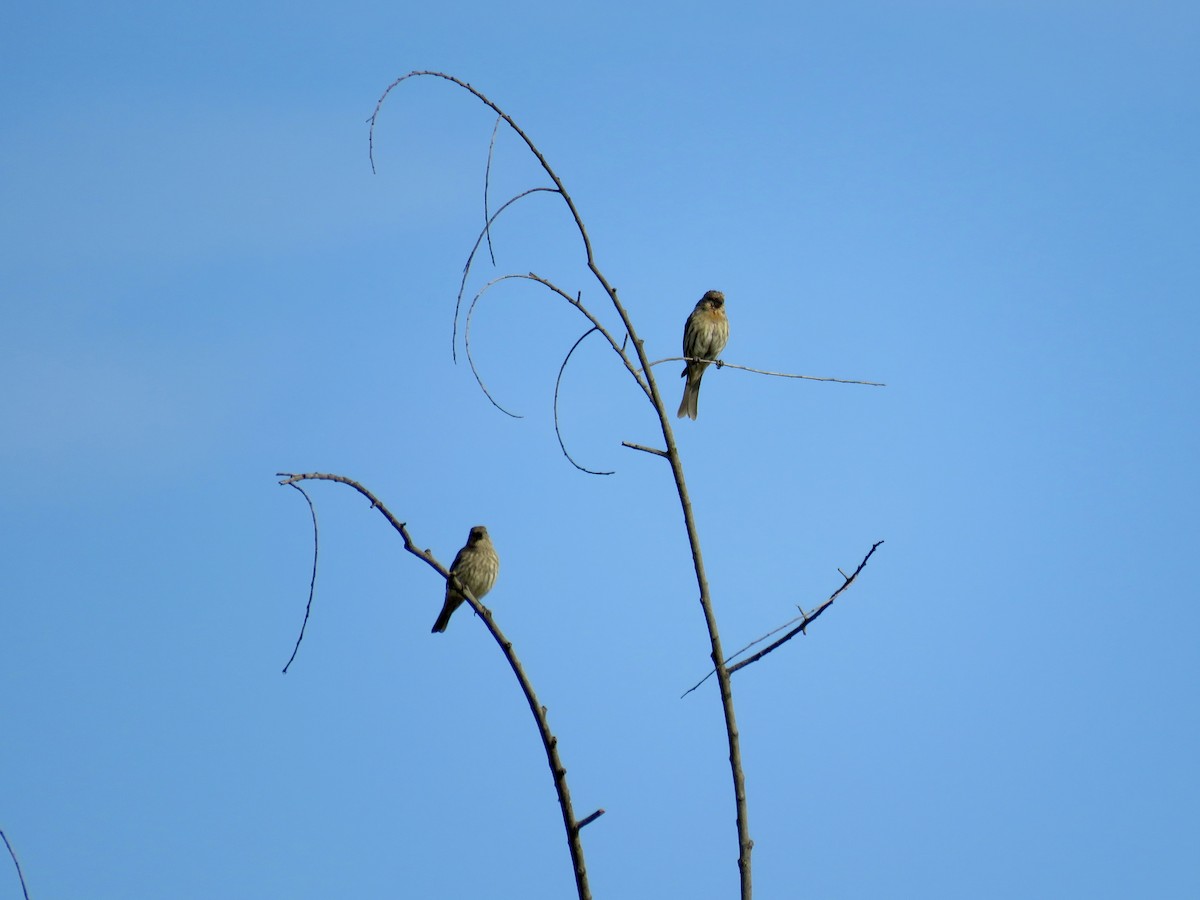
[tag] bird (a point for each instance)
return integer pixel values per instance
(476, 566)
(704, 336)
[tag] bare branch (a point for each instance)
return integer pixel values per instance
(520, 132)
(312, 585)
(644, 449)
(720, 364)
(467, 346)
(574, 301)
(588, 820)
(549, 741)
(25, 890)
(487, 177)
(557, 382)
(805, 619)
(577, 302)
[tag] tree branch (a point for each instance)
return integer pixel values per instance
(644, 449)
(487, 179)
(21, 875)
(549, 742)
(557, 429)
(805, 619)
(720, 364)
(312, 585)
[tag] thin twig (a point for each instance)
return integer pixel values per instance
(577, 302)
(21, 875)
(805, 619)
(467, 347)
(312, 585)
(588, 820)
(720, 364)
(557, 382)
(574, 301)
(645, 449)
(549, 741)
(487, 178)
(808, 617)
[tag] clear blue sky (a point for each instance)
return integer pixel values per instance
(992, 207)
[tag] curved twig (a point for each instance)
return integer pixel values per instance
(721, 364)
(549, 741)
(462, 285)
(312, 585)
(21, 875)
(577, 302)
(574, 301)
(487, 178)
(557, 382)
(467, 347)
(805, 619)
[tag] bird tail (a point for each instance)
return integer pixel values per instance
(443, 618)
(688, 406)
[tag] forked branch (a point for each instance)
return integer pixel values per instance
(805, 619)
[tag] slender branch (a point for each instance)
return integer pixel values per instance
(557, 382)
(487, 178)
(733, 737)
(312, 585)
(467, 347)
(808, 617)
(644, 449)
(588, 820)
(549, 742)
(21, 875)
(805, 619)
(720, 364)
(575, 302)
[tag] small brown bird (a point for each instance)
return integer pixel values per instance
(704, 336)
(476, 566)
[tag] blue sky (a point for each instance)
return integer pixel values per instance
(991, 207)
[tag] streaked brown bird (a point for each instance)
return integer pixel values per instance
(704, 336)
(476, 566)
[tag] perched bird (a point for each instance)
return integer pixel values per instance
(704, 336)
(476, 566)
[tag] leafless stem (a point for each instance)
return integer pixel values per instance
(21, 875)
(721, 364)
(312, 585)
(467, 347)
(805, 619)
(487, 178)
(597, 325)
(549, 741)
(645, 449)
(588, 820)
(557, 429)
